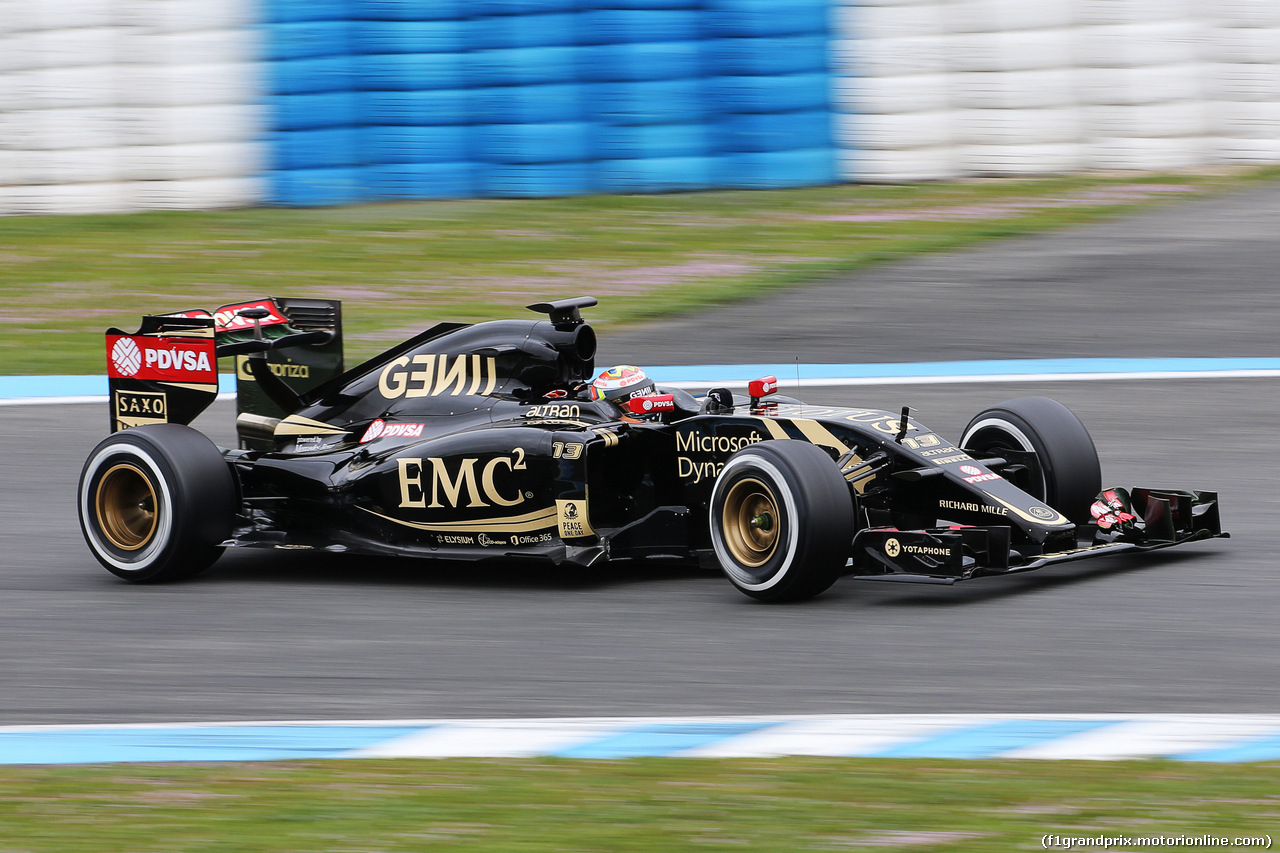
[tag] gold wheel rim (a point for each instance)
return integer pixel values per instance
(126, 504)
(750, 522)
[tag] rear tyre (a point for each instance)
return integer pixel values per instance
(155, 502)
(781, 521)
(1063, 468)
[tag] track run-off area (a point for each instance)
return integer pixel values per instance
(286, 636)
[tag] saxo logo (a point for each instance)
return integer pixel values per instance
(459, 482)
(433, 375)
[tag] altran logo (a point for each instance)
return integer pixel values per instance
(126, 357)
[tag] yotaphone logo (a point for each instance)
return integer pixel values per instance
(894, 548)
(928, 550)
(126, 357)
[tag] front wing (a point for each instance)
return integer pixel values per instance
(1165, 518)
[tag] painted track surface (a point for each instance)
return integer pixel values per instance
(275, 636)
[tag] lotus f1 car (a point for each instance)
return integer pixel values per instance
(475, 442)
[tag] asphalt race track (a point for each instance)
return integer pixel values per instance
(1196, 279)
(293, 636)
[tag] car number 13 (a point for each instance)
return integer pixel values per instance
(565, 450)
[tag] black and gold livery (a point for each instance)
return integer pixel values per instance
(479, 441)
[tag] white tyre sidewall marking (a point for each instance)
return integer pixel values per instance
(717, 540)
(1017, 434)
(164, 522)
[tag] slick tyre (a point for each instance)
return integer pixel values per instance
(1062, 467)
(155, 502)
(781, 521)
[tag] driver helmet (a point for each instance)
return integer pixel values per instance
(619, 384)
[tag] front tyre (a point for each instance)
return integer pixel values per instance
(781, 521)
(156, 502)
(1061, 463)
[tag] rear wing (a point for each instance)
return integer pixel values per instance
(167, 372)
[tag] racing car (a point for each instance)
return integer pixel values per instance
(499, 441)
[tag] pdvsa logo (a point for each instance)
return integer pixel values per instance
(976, 475)
(161, 359)
(382, 429)
(126, 357)
(176, 359)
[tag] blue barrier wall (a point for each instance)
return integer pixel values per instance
(399, 99)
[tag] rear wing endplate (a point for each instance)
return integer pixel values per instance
(167, 372)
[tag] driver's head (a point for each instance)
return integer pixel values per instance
(621, 383)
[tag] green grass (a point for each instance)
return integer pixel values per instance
(514, 806)
(402, 267)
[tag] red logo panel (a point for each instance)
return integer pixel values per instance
(762, 387)
(227, 320)
(649, 405)
(161, 359)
